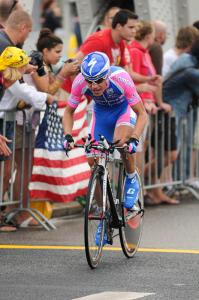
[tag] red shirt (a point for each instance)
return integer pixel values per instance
(67, 84)
(103, 41)
(142, 64)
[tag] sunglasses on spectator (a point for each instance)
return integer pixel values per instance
(95, 81)
(13, 6)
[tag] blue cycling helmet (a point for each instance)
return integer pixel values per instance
(95, 65)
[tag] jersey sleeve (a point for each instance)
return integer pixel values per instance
(126, 84)
(77, 91)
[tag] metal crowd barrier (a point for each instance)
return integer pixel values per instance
(164, 167)
(22, 152)
(182, 165)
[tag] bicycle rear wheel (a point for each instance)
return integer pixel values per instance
(93, 216)
(130, 233)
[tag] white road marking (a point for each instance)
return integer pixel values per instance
(115, 296)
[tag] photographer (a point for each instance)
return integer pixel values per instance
(48, 52)
(51, 46)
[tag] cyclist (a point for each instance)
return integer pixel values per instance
(118, 112)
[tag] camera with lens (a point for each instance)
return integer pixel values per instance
(70, 60)
(37, 60)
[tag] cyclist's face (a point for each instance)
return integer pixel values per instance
(127, 32)
(97, 88)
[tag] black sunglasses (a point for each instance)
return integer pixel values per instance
(95, 81)
(13, 6)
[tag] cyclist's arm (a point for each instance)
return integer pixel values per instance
(68, 119)
(73, 101)
(142, 119)
(125, 82)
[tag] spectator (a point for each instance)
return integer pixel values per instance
(112, 42)
(6, 8)
(10, 100)
(51, 15)
(156, 51)
(181, 83)
(12, 62)
(51, 47)
(196, 24)
(185, 38)
(47, 147)
(16, 30)
(108, 18)
(161, 135)
(12, 67)
(142, 64)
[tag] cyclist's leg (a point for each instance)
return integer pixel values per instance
(123, 131)
(101, 123)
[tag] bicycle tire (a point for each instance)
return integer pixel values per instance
(131, 232)
(93, 216)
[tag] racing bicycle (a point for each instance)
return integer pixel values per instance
(105, 207)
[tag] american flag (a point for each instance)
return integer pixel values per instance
(55, 176)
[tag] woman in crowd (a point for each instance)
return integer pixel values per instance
(142, 64)
(48, 53)
(51, 15)
(51, 47)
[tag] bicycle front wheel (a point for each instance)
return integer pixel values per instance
(93, 216)
(130, 233)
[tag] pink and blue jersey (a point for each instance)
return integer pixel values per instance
(113, 107)
(120, 89)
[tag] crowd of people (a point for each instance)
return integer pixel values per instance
(163, 82)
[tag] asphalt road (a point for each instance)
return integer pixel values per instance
(36, 264)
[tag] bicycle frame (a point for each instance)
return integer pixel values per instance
(107, 213)
(106, 188)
